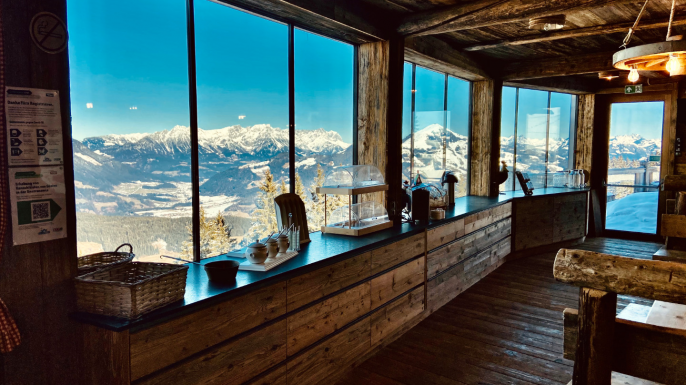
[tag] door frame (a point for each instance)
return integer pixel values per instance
(601, 141)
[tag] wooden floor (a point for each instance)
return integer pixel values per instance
(506, 329)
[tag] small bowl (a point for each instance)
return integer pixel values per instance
(222, 271)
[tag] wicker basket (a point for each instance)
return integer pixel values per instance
(90, 263)
(130, 290)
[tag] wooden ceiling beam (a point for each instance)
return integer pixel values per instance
(574, 33)
(570, 85)
(484, 13)
(433, 53)
(557, 66)
(353, 21)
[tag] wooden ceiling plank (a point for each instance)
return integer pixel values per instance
(557, 66)
(576, 33)
(436, 54)
(483, 13)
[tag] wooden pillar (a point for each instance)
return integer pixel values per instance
(584, 134)
(593, 364)
(379, 115)
(36, 279)
(485, 147)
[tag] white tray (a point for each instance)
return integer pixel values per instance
(269, 264)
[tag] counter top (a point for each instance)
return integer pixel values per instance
(323, 250)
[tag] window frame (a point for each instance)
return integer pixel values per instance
(470, 107)
(572, 133)
(193, 105)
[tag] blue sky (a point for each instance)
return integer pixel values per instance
(429, 100)
(645, 119)
(132, 67)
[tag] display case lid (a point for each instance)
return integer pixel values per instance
(353, 180)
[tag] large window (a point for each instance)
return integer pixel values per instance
(436, 126)
(262, 87)
(537, 134)
(130, 125)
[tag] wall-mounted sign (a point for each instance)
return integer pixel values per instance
(633, 89)
(654, 158)
(38, 204)
(34, 127)
(36, 171)
(49, 32)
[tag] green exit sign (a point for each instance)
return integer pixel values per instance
(655, 158)
(633, 89)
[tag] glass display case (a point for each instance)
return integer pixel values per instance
(359, 216)
(353, 180)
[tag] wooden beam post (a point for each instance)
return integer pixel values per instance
(593, 364)
(482, 131)
(496, 109)
(379, 116)
(583, 150)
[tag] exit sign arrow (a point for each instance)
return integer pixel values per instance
(633, 89)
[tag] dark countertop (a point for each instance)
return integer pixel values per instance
(323, 250)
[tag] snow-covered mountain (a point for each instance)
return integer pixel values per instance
(428, 152)
(149, 174)
(634, 147)
(224, 143)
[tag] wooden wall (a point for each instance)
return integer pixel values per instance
(35, 279)
(584, 133)
(372, 103)
(379, 115)
(482, 126)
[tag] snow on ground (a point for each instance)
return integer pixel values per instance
(636, 212)
(88, 159)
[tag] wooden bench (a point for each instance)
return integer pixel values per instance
(650, 347)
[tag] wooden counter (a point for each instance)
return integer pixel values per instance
(311, 322)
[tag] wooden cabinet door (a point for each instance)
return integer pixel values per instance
(533, 222)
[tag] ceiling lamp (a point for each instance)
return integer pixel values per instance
(547, 23)
(665, 56)
(608, 75)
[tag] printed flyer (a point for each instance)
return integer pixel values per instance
(38, 204)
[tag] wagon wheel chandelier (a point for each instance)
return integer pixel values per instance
(664, 56)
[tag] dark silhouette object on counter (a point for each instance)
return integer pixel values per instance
(420, 205)
(500, 177)
(525, 182)
(292, 204)
(450, 178)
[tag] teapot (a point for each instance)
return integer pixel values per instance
(256, 252)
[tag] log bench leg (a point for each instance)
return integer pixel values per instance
(593, 364)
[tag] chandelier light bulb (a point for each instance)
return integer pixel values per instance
(633, 75)
(674, 65)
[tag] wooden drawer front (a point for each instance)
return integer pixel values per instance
(397, 253)
(450, 284)
(162, 345)
(482, 219)
(319, 283)
(332, 357)
(228, 364)
(441, 235)
(396, 318)
(322, 319)
(533, 222)
(397, 281)
(569, 217)
(277, 377)
(568, 198)
(442, 259)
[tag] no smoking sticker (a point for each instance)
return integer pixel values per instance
(49, 32)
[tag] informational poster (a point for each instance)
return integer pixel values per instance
(36, 168)
(34, 127)
(38, 204)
